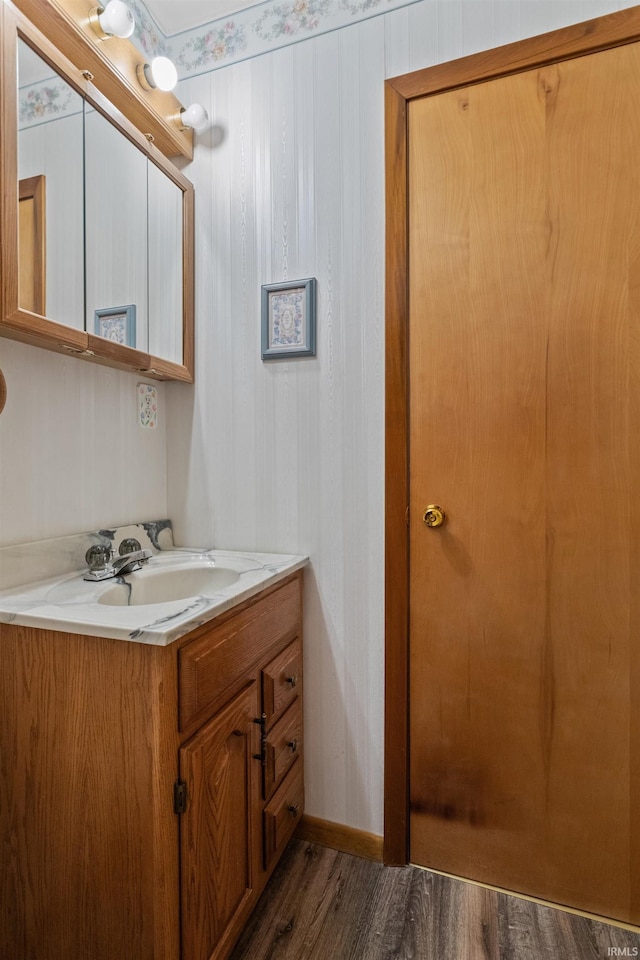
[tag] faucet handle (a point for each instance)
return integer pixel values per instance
(98, 556)
(129, 545)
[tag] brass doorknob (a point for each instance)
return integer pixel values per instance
(434, 516)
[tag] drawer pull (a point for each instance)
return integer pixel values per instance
(292, 680)
(293, 809)
(293, 744)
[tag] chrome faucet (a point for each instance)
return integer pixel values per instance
(128, 562)
(102, 567)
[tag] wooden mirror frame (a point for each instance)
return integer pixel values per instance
(34, 328)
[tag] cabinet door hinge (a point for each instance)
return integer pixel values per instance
(179, 796)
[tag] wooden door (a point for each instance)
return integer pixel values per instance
(217, 830)
(524, 251)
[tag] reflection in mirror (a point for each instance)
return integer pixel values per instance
(116, 244)
(165, 266)
(32, 240)
(51, 212)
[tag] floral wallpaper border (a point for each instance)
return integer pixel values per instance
(47, 100)
(265, 27)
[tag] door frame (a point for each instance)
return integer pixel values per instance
(590, 36)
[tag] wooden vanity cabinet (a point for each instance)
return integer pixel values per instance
(231, 764)
(147, 792)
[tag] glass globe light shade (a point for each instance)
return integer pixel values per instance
(116, 19)
(164, 73)
(195, 116)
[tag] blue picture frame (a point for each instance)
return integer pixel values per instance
(117, 324)
(289, 319)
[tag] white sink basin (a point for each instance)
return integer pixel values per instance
(151, 585)
(174, 592)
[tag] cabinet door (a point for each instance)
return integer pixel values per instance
(216, 839)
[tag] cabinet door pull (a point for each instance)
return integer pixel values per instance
(292, 680)
(180, 797)
(293, 744)
(293, 809)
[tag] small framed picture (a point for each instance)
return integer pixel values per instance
(117, 324)
(289, 319)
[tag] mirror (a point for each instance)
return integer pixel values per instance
(133, 244)
(165, 250)
(117, 256)
(102, 222)
(51, 202)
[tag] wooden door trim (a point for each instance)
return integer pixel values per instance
(577, 40)
(396, 789)
(580, 39)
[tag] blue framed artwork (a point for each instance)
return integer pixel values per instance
(117, 324)
(289, 319)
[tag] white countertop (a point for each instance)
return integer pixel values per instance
(70, 604)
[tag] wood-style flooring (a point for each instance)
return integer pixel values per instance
(325, 905)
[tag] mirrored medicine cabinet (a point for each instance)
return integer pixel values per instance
(96, 224)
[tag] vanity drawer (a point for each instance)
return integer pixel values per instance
(282, 681)
(212, 667)
(282, 745)
(282, 813)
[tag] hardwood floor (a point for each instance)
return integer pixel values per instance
(325, 905)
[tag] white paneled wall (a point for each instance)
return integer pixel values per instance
(72, 457)
(289, 456)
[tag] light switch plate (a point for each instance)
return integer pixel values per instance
(147, 396)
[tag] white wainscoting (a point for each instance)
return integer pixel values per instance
(289, 456)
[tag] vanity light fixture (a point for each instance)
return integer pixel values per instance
(113, 20)
(195, 116)
(160, 73)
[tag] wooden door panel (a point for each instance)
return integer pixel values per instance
(477, 353)
(524, 413)
(217, 828)
(590, 484)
